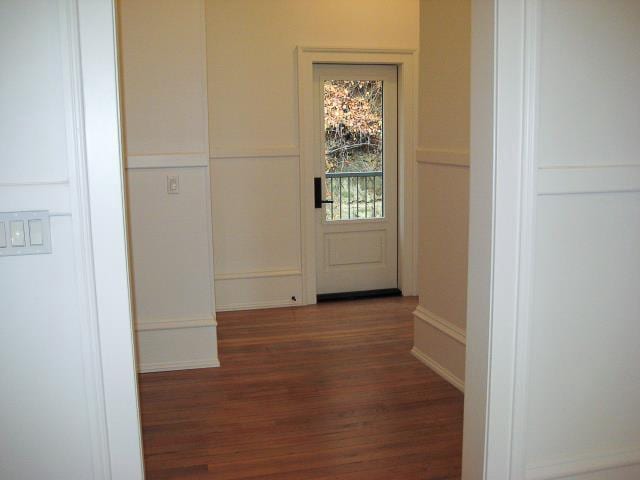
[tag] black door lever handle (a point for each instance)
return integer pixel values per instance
(317, 193)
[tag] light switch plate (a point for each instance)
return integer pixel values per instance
(41, 235)
(173, 184)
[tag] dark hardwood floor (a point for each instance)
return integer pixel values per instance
(321, 392)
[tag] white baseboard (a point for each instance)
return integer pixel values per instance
(439, 369)
(586, 466)
(183, 365)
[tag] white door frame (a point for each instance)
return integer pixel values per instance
(502, 214)
(407, 96)
(99, 201)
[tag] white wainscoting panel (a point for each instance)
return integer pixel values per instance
(584, 384)
(252, 290)
(256, 230)
(169, 244)
(443, 217)
(177, 348)
(440, 345)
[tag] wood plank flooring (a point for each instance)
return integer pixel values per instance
(328, 391)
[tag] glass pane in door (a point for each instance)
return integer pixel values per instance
(353, 149)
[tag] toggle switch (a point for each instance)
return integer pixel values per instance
(17, 233)
(3, 235)
(35, 232)
(25, 233)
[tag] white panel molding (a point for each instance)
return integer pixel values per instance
(259, 274)
(161, 324)
(231, 307)
(445, 326)
(563, 180)
(276, 151)
(443, 157)
(579, 466)
(439, 369)
(168, 160)
(178, 365)
(32, 195)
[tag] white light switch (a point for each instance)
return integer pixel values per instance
(17, 233)
(35, 232)
(173, 184)
(25, 233)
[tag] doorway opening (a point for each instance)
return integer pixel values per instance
(355, 180)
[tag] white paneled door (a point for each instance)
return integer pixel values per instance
(356, 177)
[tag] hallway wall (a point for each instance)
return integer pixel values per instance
(163, 74)
(584, 382)
(253, 112)
(443, 186)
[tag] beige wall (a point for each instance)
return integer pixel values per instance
(443, 185)
(163, 71)
(253, 112)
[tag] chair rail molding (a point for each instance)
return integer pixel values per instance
(443, 157)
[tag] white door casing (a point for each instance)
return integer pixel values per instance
(356, 254)
(405, 61)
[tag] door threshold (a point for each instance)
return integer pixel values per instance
(336, 297)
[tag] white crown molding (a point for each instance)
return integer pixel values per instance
(571, 179)
(583, 465)
(439, 369)
(167, 160)
(259, 274)
(276, 151)
(443, 157)
(161, 324)
(445, 326)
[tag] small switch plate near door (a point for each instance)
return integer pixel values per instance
(173, 184)
(24, 233)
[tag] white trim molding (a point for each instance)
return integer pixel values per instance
(28, 195)
(443, 157)
(439, 323)
(583, 465)
(178, 365)
(168, 160)
(569, 179)
(261, 274)
(405, 60)
(276, 151)
(102, 198)
(232, 307)
(445, 373)
(160, 324)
